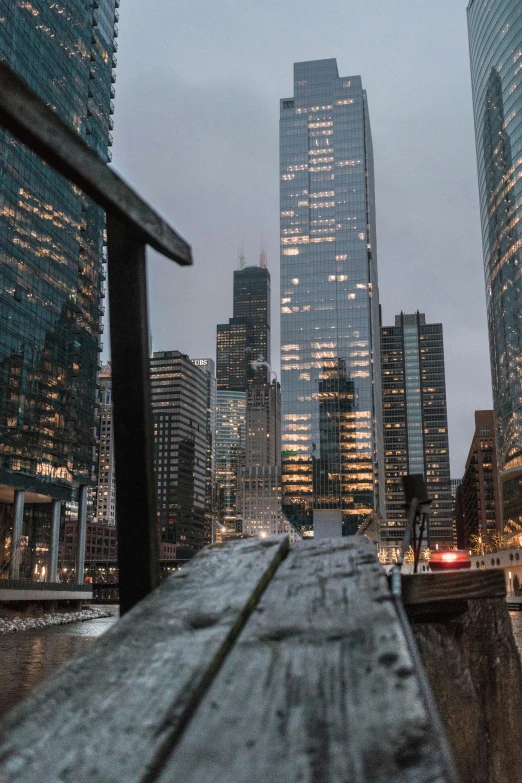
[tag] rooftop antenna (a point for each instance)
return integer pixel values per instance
(241, 257)
(262, 257)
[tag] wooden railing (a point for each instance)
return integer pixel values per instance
(131, 225)
(257, 663)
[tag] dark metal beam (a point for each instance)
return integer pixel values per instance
(132, 416)
(28, 118)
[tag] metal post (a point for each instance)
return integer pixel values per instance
(82, 529)
(18, 519)
(132, 416)
(55, 537)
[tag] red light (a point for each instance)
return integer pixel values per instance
(450, 560)
(449, 557)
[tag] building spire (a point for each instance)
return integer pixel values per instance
(262, 257)
(241, 257)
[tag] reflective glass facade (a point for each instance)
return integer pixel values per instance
(51, 274)
(330, 355)
(209, 368)
(415, 424)
(495, 38)
(230, 454)
(51, 240)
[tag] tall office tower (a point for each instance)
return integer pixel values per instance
(495, 39)
(259, 481)
(329, 302)
(209, 368)
(51, 243)
(263, 423)
(478, 495)
(246, 337)
(106, 493)
(455, 484)
(179, 406)
(415, 424)
(230, 456)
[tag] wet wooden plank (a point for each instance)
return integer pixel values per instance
(108, 715)
(452, 586)
(319, 688)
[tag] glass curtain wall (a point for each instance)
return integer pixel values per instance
(495, 39)
(330, 365)
(51, 251)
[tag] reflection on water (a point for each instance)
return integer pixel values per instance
(27, 657)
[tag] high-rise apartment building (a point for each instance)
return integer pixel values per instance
(330, 354)
(415, 424)
(209, 368)
(51, 245)
(106, 490)
(259, 481)
(179, 405)
(455, 484)
(495, 40)
(230, 455)
(263, 423)
(478, 503)
(246, 337)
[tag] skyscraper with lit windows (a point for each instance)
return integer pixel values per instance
(180, 393)
(415, 425)
(495, 42)
(246, 337)
(332, 448)
(51, 277)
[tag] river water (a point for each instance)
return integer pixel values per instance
(27, 657)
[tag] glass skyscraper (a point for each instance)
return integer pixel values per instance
(495, 39)
(246, 337)
(330, 357)
(51, 274)
(415, 424)
(230, 455)
(209, 368)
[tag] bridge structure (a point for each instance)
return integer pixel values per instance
(261, 661)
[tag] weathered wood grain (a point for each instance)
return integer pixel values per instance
(319, 688)
(108, 715)
(474, 669)
(452, 586)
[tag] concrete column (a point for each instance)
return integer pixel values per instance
(55, 536)
(18, 519)
(82, 528)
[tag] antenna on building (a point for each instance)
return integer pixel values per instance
(241, 257)
(262, 257)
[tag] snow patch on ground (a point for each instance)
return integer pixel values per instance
(12, 624)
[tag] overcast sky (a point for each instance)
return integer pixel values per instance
(197, 110)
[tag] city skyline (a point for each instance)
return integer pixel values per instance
(426, 181)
